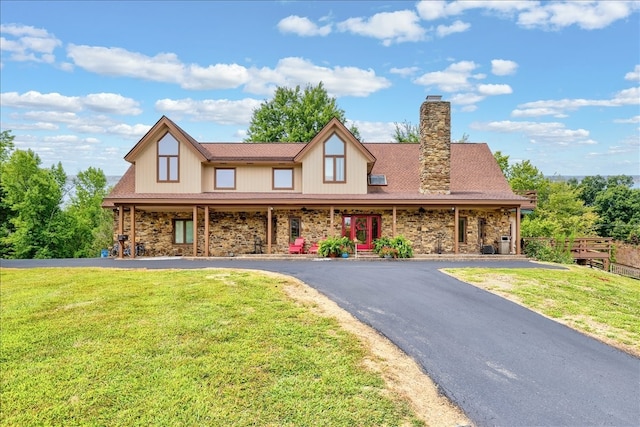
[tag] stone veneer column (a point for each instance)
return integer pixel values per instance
(435, 146)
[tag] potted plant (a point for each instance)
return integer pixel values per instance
(388, 252)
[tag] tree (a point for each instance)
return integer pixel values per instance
(406, 133)
(619, 209)
(524, 176)
(6, 227)
(294, 115)
(503, 162)
(34, 195)
(93, 224)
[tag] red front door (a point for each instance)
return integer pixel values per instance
(364, 228)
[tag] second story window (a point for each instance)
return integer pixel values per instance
(334, 160)
(168, 159)
(283, 179)
(225, 179)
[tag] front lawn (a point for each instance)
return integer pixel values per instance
(604, 305)
(170, 348)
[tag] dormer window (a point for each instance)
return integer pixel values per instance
(334, 160)
(168, 159)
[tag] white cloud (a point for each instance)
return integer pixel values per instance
(554, 133)
(456, 27)
(634, 75)
(302, 26)
(494, 89)
(390, 27)
(99, 102)
(404, 72)
(454, 78)
(561, 106)
(221, 111)
(293, 71)
(374, 131)
(28, 43)
(503, 67)
(466, 99)
(588, 15)
(633, 120)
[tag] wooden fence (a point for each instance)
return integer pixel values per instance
(624, 270)
(585, 250)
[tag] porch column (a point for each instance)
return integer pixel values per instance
(269, 210)
(456, 229)
(132, 245)
(120, 230)
(195, 231)
(331, 221)
(393, 224)
(206, 230)
(517, 230)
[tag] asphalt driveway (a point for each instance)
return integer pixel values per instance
(501, 363)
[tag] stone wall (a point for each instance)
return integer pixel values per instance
(435, 147)
(234, 233)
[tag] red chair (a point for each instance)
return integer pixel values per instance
(297, 247)
(313, 249)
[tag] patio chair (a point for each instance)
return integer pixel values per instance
(313, 249)
(297, 247)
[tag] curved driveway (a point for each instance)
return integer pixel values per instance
(501, 363)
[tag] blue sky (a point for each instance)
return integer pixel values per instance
(557, 83)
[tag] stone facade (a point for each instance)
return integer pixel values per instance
(235, 233)
(435, 147)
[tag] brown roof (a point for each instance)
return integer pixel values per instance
(475, 177)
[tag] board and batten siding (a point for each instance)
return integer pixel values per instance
(190, 172)
(313, 173)
(251, 179)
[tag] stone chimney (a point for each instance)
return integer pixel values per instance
(435, 146)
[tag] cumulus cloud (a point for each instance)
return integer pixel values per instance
(26, 43)
(560, 107)
(456, 27)
(494, 89)
(390, 27)
(98, 102)
(634, 75)
(221, 111)
(404, 72)
(302, 26)
(454, 78)
(542, 132)
(503, 67)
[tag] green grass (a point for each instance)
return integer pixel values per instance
(599, 303)
(178, 348)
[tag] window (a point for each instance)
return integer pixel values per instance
(377, 180)
(294, 228)
(182, 231)
(283, 179)
(225, 179)
(334, 160)
(462, 230)
(168, 159)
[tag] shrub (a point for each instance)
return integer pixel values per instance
(335, 246)
(401, 246)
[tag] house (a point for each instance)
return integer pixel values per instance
(184, 197)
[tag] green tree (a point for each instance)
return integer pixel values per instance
(93, 224)
(34, 195)
(406, 133)
(619, 209)
(294, 115)
(503, 162)
(524, 176)
(6, 227)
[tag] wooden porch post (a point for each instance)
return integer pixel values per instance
(206, 231)
(393, 224)
(331, 220)
(132, 245)
(456, 229)
(269, 209)
(120, 230)
(195, 231)
(518, 249)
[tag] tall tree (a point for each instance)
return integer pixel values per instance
(294, 115)
(503, 162)
(93, 224)
(619, 209)
(524, 176)
(406, 133)
(6, 227)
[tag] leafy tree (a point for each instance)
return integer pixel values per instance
(6, 227)
(524, 176)
(34, 196)
(406, 133)
(294, 115)
(619, 209)
(93, 224)
(503, 162)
